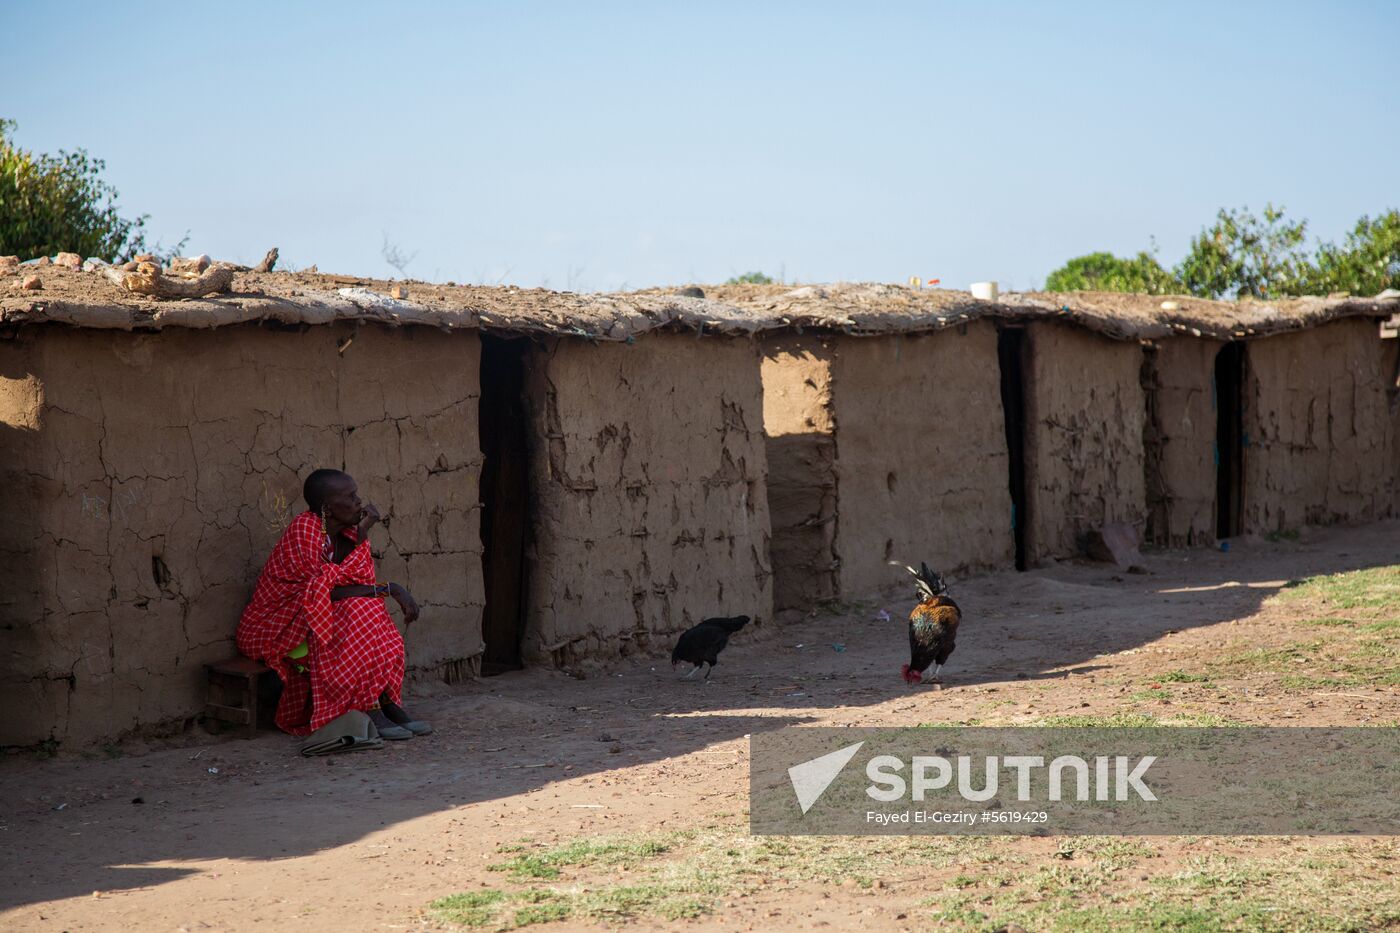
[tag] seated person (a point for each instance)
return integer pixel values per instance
(317, 601)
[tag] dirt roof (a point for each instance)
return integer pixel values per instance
(92, 300)
(874, 309)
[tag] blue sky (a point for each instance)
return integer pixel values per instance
(610, 145)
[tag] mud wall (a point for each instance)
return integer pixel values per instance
(1084, 447)
(800, 438)
(650, 510)
(1179, 440)
(147, 477)
(922, 469)
(1390, 371)
(1316, 419)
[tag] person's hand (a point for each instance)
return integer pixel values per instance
(406, 602)
(369, 517)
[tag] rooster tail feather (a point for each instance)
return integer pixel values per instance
(928, 583)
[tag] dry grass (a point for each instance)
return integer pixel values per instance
(1342, 633)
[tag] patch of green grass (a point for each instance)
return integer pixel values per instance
(1182, 677)
(956, 724)
(980, 883)
(1327, 621)
(1114, 852)
(546, 864)
(664, 899)
(1370, 588)
(1382, 625)
(1136, 721)
(1208, 893)
(668, 901)
(1152, 695)
(540, 913)
(471, 909)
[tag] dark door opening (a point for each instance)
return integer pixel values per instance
(505, 496)
(1229, 440)
(1011, 351)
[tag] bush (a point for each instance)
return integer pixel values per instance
(750, 278)
(1105, 272)
(52, 204)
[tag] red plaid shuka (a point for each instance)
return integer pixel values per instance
(356, 652)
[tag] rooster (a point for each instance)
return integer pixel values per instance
(702, 644)
(933, 626)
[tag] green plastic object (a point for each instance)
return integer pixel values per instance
(296, 654)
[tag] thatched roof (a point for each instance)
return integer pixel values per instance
(91, 300)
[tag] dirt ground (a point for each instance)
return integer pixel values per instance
(622, 797)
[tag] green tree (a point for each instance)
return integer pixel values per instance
(1243, 255)
(1367, 263)
(750, 278)
(1105, 272)
(51, 204)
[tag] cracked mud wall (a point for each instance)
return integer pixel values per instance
(155, 472)
(1318, 423)
(799, 428)
(1177, 379)
(922, 466)
(650, 510)
(1390, 373)
(1085, 414)
(880, 449)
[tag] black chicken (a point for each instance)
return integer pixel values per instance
(703, 643)
(933, 626)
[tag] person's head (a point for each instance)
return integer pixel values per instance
(333, 495)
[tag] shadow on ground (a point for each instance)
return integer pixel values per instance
(74, 826)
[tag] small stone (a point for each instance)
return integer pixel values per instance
(31, 283)
(146, 257)
(43, 261)
(9, 263)
(92, 264)
(71, 260)
(399, 291)
(190, 264)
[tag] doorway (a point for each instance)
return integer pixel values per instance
(505, 499)
(1011, 356)
(1229, 440)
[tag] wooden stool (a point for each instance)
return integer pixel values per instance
(237, 679)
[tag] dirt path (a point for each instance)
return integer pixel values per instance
(238, 835)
